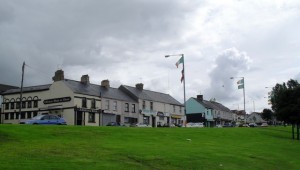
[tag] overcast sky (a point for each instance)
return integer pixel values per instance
(126, 41)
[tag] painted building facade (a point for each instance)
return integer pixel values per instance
(83, 103)
(209, 112)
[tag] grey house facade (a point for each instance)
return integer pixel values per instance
(155, 108)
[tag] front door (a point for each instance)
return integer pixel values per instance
(153, 121)
(79, 118)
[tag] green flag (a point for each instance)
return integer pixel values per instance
(179, 61)
(241, 86)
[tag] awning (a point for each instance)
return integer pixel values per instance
(176, 116)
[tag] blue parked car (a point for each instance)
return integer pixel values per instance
(45, 120)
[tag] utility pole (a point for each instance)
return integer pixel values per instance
(20, 108)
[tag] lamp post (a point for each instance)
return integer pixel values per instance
(243, 80)
(183, 74)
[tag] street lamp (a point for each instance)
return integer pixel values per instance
(183, 74)
(243, 80)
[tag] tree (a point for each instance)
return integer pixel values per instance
(285, 101)
(267, 114)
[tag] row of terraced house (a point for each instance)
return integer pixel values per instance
(84, 103)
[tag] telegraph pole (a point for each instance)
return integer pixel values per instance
(20, 108)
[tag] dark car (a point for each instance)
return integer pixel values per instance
(113, 124)
(45, 120)
(228, 125)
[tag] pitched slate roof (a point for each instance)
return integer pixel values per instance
(4, 87)
(212, 105)
(28, 89)
(149, 95)
(97, 90)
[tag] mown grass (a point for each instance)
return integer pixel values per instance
(71, 147)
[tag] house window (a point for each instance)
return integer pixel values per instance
(35, 104)
(17, 115)
(180, 109)
(18, 105)
(144, 104)
(91, 117)
(12, 105)
(23, 104)
(126, 107)
(107, 105)
(115, 106)
(174, 108)
(6, 106)
(83, 102)
(151, 105)
(6, 116)
(29, 104)
(23, 115)
(133, 108)
(11, 116)
(29, 115)
(35, 114)
(93, 103)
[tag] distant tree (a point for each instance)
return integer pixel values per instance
(267, 114)
(285, 101)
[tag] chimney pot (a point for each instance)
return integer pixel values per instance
(200, 97)
(59, 75)
(139, 86)
(85, 79)
(105, 83)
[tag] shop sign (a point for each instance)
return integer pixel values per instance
(88, 110)
(57, 100)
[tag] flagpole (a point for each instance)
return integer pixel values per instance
(184, 98)
(184, 90)
(243, 80)
(244, 99)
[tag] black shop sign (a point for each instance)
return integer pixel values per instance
(57, 100)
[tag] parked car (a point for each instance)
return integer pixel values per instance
(219, 126)
(252, 125)
(113, 124)
(45, 120)
(195, 125)
(264, 125)
(142, 125)
(228, 125)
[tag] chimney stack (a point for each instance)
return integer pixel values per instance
(139, 86)
(200, 97)
(105, 83)
(85, 79)
(58, 76)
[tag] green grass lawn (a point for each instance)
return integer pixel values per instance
(73, 147)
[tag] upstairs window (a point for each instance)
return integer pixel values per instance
(174, 108)
(126, 107)
(133, 108)
(151, 105)
(23, 104)
(18, 105)
(115, 106)
(6, 106)
(106, 105)
(83, 102)
(93, 103)
(144, 104)
(29, 104)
